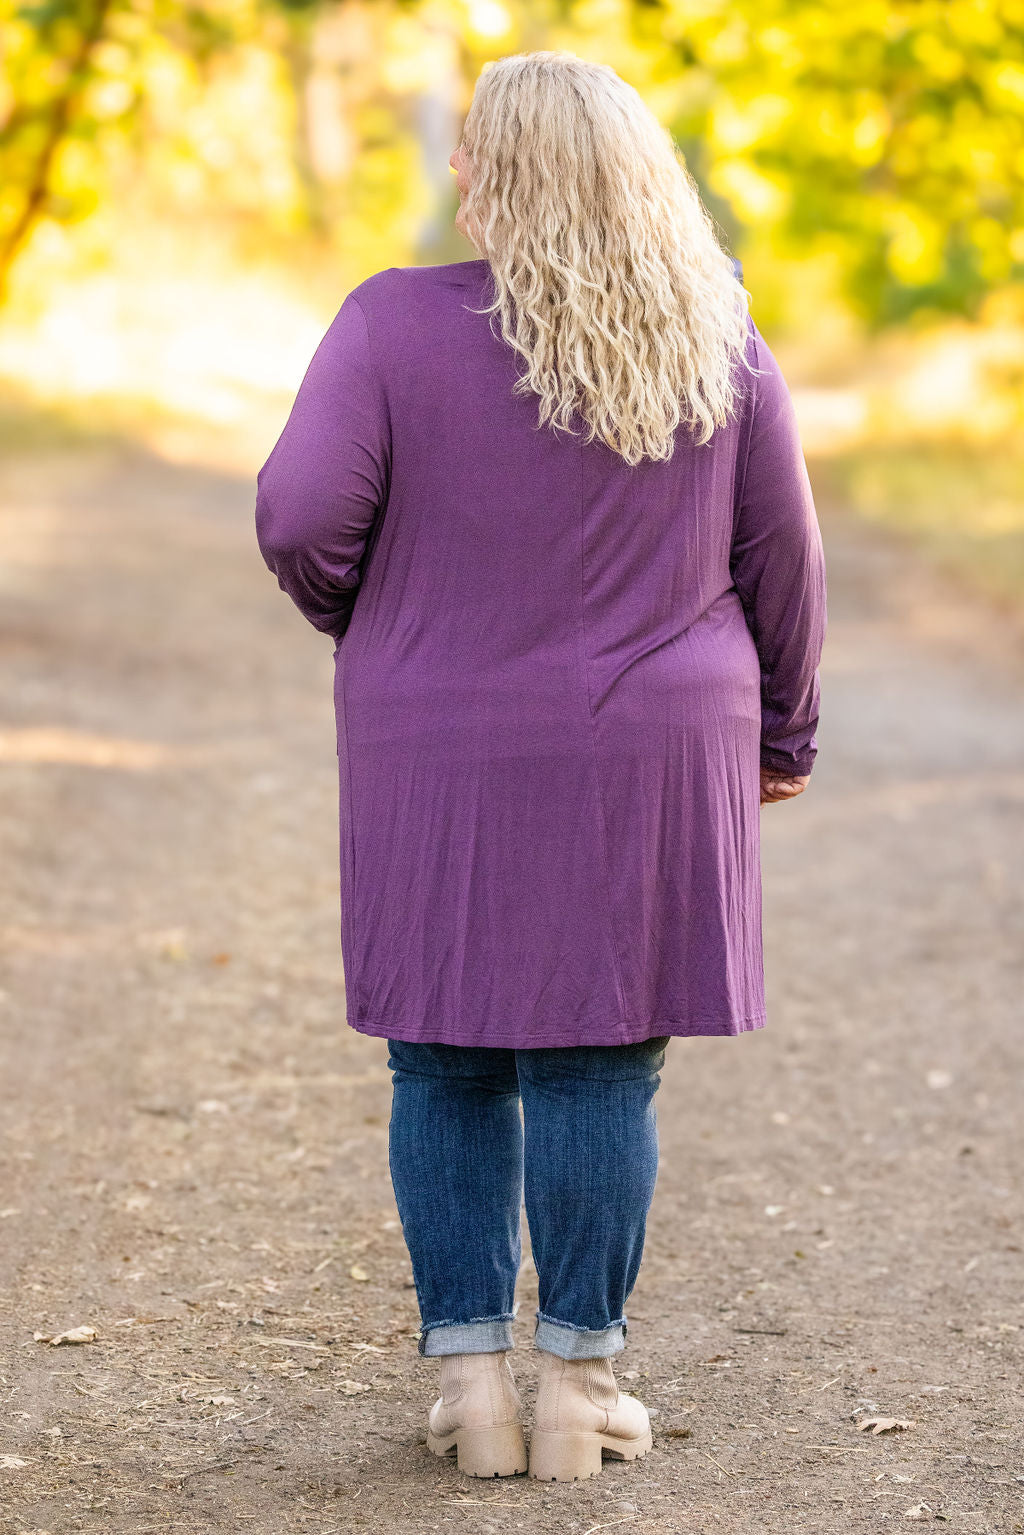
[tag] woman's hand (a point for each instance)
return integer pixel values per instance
(775, 787)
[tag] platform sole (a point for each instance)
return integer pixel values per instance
(484, 1451)
(571, 1457)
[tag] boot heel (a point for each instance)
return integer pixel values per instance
(564, 1457)
(499, 1451)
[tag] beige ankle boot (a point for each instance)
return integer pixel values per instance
(479, 1414)
(580, 1411)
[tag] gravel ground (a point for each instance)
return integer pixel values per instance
(193, 1158)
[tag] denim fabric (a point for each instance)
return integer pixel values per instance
(583, 1153)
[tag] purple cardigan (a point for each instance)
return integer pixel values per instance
(556, 677)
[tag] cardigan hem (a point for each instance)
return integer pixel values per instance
(676, 1028)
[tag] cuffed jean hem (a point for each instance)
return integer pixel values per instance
(492, 1335)
(570, 1342)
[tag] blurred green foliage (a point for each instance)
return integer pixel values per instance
(884, 136)
(889, 134)
(168, 170)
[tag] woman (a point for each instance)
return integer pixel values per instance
(575, 581)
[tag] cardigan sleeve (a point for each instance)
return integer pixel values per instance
(778, 568)
(326, 480)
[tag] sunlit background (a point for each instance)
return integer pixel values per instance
(187, 192)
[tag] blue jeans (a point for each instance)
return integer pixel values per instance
(584, 1154)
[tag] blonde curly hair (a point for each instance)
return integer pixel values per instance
(608, 274)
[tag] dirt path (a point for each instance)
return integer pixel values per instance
(194, 1143)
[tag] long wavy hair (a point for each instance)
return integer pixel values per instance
(608, 274)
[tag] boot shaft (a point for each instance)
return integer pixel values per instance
(575, 1393)
(479, 1389)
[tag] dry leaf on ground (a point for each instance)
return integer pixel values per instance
(884, 1425)
(73, 1335)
